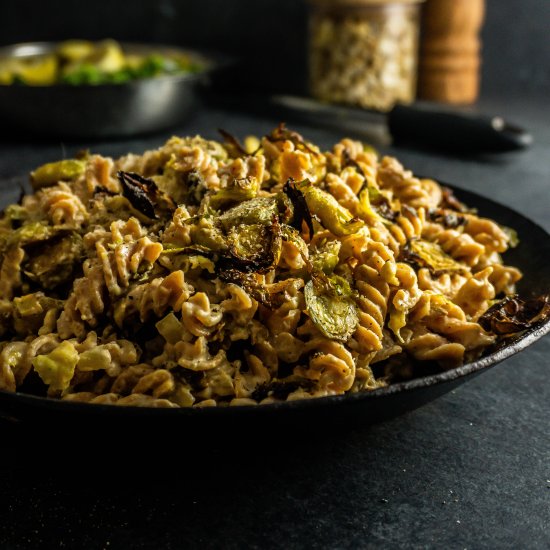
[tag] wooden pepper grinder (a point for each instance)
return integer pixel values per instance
(450, 50)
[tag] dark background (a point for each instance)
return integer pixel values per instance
(470, 470)
(271, 34)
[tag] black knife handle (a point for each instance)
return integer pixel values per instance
(429, 125)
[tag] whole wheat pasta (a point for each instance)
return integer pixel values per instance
(207, 273)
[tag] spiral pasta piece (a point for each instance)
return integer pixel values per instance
(461, 246)
(428, 346)
(331, 367)
(487, 233)
(504, 278)
(404, 186)
(407, 226)
(62, 206)
(85, 303)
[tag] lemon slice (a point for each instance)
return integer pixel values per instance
(37, 71)
(75, 50)
(108, 57)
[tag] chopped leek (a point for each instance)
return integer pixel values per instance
(57, 368)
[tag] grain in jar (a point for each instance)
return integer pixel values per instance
(364, 52)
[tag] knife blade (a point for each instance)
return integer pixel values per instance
(421, 124)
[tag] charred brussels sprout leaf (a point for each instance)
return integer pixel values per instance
(326, 257)
(271, 295)
(233, 144)
(206, 234)
(137, 190)
(260, 210)
(238, 190)
(447, 219)
(332, 214)
(57, 261)
(33, 232)
(430, 255)
(513, 315)
(53, 172)
(253, 248)
(331, 307)
(374, 203)
(143, 194)
(301, 213)
(249, 283)
(196, 187)
(450, 201)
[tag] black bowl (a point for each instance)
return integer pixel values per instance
(531, 256)
(105, 110)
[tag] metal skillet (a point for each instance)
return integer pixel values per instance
(100, 111)
(531, 256)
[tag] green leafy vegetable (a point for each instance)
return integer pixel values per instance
(332, 214)
(233, 144)
(326, 257)
(32, 232)
(260, 210)
(430, 255)
(53, 172)
(253, 248)
(238, 190)
(331, 306)
(56, 262)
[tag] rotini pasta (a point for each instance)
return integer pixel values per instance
(208, 274)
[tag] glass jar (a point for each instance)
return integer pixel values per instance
(364, 52)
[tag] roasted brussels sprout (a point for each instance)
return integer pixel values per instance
(331, 306)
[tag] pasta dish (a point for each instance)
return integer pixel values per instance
(209, 273)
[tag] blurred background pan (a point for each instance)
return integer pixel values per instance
(104, 110)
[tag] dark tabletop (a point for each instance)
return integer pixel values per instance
(469, 470)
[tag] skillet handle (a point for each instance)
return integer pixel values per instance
(430, 125)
